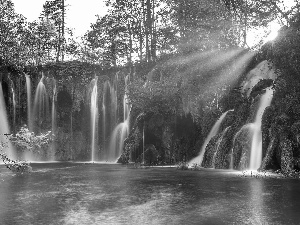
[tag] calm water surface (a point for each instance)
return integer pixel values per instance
(77, 193)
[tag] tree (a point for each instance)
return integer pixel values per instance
(34, 43)
(249, 13)
(108, 35)
(11, 34)
(54, 13)
(128, 31)
(201, 25)
(24, 140)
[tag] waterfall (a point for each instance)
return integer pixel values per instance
(14, 105)
(234, 139)
(4, 128)
(218, 145)
(94, 116)
(41, 105)
(256, 146)
(28, 89)
(38, 118)
(53, 118)
(262, 71)
(120, 133)
(109, 112)
(53, 111)
(198, 160)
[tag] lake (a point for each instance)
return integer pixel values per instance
(92, 193)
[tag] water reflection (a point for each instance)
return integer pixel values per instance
(256, 203)
(113, 194)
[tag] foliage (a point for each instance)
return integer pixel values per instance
(75, 76)
(283, 52)
(26, 140)
(264, 10)
(128, 31)
(155, 97)
(12, 34)
(201, 25)
(25, 43)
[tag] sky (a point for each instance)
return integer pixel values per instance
(79, 15)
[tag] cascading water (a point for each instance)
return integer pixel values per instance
(109, 112)
(4, 128)
(256, 146)
(218, 145)
(28, 89)
(262, 71)
(53, 112)
(40, 115)
(234, 140)
(41, 106)
(198, 160)
(12, 89)
(14, 107)
(121, 132)
(94, 116)
(53, 116)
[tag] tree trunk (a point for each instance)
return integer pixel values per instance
(63, 30)
(113, 53)
(130, 45)
(245, 24)
(141, 42)
(153, 40)
(58, 45)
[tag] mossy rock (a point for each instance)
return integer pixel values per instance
(287, 161)
(269, 161)
(242, 147)
(267, 119)
(210, 151)
(223, 151)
